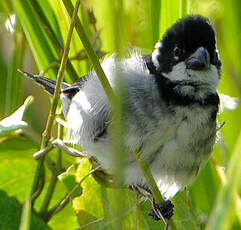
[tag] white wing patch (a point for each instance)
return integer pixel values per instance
(83, 101)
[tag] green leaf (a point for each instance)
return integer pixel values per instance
(69, 181)
(43, 52)
(10, 214)
(14, 121)
(16, 170)
(90, 201)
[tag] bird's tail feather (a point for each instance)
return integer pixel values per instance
(48, 84)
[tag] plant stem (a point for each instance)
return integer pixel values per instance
(26, 215)
(36, 188)
(91, 53)
(149, 179)
(117, 132)
(66, 199)
(152, 184)
(53, 180)
(51, 117)
(48, 196)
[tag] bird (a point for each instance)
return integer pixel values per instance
(170, 101)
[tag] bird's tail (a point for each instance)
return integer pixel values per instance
(48, 84)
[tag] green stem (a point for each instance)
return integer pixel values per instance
(36, 191)
(51, 117)
(151, 184)
(66, 199)
(26, 215)
(149, 179)
(91, 53)
(117, 133)
(53, 180)
(48, 196)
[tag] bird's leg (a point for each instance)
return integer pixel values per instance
(62, 146)
(162, 211)
(166, 209)
(142, 190)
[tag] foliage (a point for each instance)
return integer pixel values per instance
(35, 41)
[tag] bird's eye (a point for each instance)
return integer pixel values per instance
(177, 52)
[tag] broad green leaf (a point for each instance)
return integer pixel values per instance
(16, 170)
(14, 121)
(90, 201)
(10, 214)
(16, 166)
(69, 181)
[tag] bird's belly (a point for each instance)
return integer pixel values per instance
(180, 152)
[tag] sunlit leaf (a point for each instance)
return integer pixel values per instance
(14, 121)
(68, 179)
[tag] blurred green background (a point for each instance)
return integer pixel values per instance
(32, 37)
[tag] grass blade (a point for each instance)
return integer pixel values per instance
(42, 50)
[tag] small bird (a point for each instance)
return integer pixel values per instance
(170, 102)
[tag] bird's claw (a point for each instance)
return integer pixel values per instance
(166, 209)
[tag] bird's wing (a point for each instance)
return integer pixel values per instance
(48, 84)
(86, 109)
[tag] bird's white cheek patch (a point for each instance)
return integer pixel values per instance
(158, 45)
(155, 54)
(178, 72)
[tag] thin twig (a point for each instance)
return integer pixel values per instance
(58, 143)
(49, 67)
(65, 201)
(97, 221)
(50, 121)
(112, 222)
(53, 181)
(153, 187)
(39, 190)
(91, 53)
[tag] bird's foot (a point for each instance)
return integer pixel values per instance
(166, 209)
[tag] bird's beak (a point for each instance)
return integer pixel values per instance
(200, 60)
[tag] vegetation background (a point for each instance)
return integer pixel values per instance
(32, 38)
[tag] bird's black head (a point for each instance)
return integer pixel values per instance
(191, 40)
